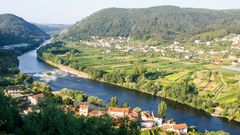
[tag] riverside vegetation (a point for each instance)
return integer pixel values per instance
(200, 85)
(187, 48)
(197, 83)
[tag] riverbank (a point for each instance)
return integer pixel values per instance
(67, 69)
(87, 76)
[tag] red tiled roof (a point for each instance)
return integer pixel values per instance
(95, 113)
(123, 110)
(83, 106)
(166, 127)
(37, 96)
(146, 114)
(180, 126)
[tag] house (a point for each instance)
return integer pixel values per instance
(150, 120)
(83, 110)
(180, 128)
(13, 90)
(132, 115)
(147, 123)
(72, 109)
(35, 98)
(118, 112)
(158, 120)
(30, 110)
(27, 111)
(167, 127)
(96, 113)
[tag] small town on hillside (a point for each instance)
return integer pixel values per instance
(27, 104)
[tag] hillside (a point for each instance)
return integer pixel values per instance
(162, 23)
(15, 30)
(53, 29)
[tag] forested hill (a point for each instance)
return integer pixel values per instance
(14, 30)
(163, 22)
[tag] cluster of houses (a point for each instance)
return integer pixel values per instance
(148, 120)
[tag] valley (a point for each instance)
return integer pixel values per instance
(158, 70)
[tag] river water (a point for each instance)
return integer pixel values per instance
(58, 79)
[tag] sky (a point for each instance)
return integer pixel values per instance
(71, 11)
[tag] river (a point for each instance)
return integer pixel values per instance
(58, 79)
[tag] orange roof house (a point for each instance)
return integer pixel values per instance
(35, 98)
(118, 112)
(83, 110)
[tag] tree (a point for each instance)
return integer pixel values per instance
(9, 116)
(162, 108)
(137, 109)
(113, 102)
(125, 105)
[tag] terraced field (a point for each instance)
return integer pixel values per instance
(221, 85)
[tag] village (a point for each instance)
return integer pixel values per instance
(185, 51)
(28, 103)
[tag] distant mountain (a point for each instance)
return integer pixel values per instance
(163, 23)
(14, 29)
(53, 28)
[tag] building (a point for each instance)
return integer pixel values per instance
(13, 90)
(118, 112)
(96, 113)
(180, 128)
(151, 120)
(30, 110)
(34, 99)
(83, 110)
(71, 109)
(27, 111)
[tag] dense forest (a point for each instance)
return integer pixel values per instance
(15, 30)
(162, 23)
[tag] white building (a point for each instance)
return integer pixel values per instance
(149, 120)
(35, 98)
(83, 110)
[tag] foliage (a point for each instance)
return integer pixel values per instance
(10, 120)
(163, 23)
(162, 108)
(77, 96)
(125, 105)
(95, 100)
(113, 102)
(41, 87)
(15, 30)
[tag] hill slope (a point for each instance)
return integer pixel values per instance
(14, 30)
(53, 29)
(164, 22)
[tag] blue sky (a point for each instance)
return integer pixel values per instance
(70, 11)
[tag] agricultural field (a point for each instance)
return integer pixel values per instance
(194, 82)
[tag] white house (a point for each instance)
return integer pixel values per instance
(13, 90)
(149, 120)
(83, 110)
(35, 98)
(180, 128)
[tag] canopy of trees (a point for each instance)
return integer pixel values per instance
(15, 30)
(163, 23)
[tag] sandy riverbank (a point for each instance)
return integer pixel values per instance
(85, 75)
(67, 69)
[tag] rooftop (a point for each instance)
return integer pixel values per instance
(84, 107)
(123, 110)
(37, 96)
(180, 126)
